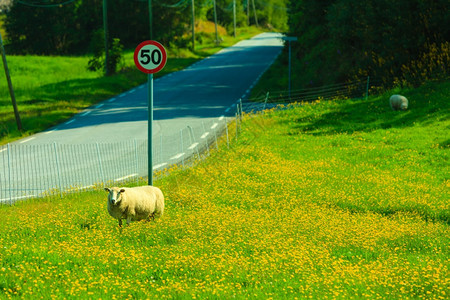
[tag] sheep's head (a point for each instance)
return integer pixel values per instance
(115, 195)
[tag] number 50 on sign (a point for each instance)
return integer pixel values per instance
(150, 57)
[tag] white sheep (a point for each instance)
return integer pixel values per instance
(136, 203)
(398, 102)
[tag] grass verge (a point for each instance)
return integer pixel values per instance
(333, 199)
(50, 90)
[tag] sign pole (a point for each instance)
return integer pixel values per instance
(150, 129)
(150, 57)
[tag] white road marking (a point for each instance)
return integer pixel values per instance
(125, 177)
(71, 121)
(177, 156)
(228, 109)
(4, 149)
(159, 166)
(48, 132)
(204, 135)
(112, 100)
(27, 140)
(86, 113)
(100, 105)
(122, 95)
(193, 146)
(214, 125)
(132, 91)
(221, 118)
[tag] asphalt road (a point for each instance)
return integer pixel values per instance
(202, 91)
(199, 97)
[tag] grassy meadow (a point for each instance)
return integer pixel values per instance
(338, 199)
(51, 89)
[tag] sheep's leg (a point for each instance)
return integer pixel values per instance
(128, 220)
(120, 222)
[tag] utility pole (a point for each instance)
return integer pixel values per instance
(193, 25)
(11, 90)
(105, 29)
(234, 17)
(248, 12)
(215, 22)
(290, 39)
(254, 11)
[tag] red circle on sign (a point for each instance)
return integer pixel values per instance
(150, 57)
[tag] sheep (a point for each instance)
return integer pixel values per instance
(398, 102)
(136, 203)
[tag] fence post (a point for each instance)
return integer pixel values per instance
(237, 128)
(9, 174)
(226, 130)
(160, 148)
(367, 88)
(191, 132)
(181, 137)
(206, 139)
(136, 160)
(265, 102)
(240, 109)
(215, 136)
(100, 164)
(57, 169)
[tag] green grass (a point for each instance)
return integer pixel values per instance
(50, 90)
(329, 200)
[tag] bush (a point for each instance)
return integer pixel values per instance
(114, 54)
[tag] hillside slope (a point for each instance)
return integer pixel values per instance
(334, 199)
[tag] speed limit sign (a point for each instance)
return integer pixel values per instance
(150, 57)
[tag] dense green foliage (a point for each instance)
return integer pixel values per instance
(70, 28)
(397, 42)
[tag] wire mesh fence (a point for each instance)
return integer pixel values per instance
(33, 171)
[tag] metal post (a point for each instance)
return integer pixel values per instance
(240, 109)
(136, 159)
(150, 129)
(160, 148)
(289, 70)
(234, 17)
(9, 174)
(206, 139)
(181, 139)
(105, 31)
(215, 22)
(11, 90)
(226, 130)
(193, 24)
(265, 102)
(254, 11)
(58, 170)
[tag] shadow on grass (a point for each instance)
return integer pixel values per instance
(426, 105)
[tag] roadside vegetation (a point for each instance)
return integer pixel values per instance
(342, 199)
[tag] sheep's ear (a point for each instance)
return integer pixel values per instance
(122, 190)
(107, 189)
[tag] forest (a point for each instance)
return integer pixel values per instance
(395, 42)
(51, 27)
